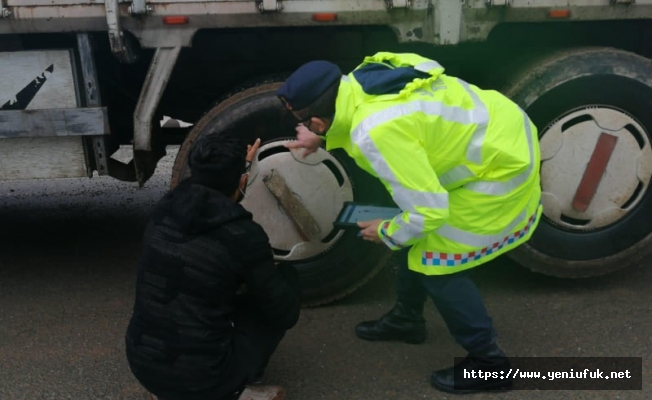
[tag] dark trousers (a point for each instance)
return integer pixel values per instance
(457, 299)
(254, 342)
(253, 345)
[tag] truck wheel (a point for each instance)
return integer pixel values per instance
(332, 263)
(592, 109)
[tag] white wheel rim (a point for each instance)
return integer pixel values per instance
(320, 183)
(567, 150)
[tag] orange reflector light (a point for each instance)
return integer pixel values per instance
(175, 20)
(324, 17)
(559, 13)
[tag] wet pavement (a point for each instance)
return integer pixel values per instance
(69, 251)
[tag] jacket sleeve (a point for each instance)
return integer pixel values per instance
(275, 289)
(402, 164)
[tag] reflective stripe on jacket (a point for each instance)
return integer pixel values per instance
(462, 163)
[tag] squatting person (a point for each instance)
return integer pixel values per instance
(211, 306)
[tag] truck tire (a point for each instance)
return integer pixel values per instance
(585, 102)
(335, 263)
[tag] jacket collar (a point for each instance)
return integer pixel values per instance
(338, 134)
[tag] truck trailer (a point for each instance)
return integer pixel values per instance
(81, 80)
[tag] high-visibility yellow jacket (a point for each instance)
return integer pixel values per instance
(462, 163)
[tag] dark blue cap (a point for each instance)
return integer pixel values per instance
(307, 83)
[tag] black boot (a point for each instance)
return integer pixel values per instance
(402, 323)
(470, 375)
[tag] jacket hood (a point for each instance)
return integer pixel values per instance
(395, 73)
(381, 76)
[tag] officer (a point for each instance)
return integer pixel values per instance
(462, 164)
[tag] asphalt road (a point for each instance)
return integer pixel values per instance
(69, 251)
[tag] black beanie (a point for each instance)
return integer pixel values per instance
(218, 161)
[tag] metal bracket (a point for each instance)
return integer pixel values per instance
(267, 6)
(497, 3)
(4, 11)
(391, 4)
(160, 69)
(83, 121)
(116, 37)
(155, 83)
(120, 46)
(139, 7)
(92, 96)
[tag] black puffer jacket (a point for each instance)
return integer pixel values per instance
(199, 249)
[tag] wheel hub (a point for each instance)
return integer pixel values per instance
(318, 182)
(596, 167)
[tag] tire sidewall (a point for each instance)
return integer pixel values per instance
(604, 77)
(350, 261)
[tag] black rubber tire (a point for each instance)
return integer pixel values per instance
(257, 112)
(558, 84)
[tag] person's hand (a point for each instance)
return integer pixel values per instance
(369, 230)
(252, 149)
(307, 140)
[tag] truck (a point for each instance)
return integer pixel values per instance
(82, 80)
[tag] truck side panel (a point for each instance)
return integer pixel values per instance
(39, 80)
